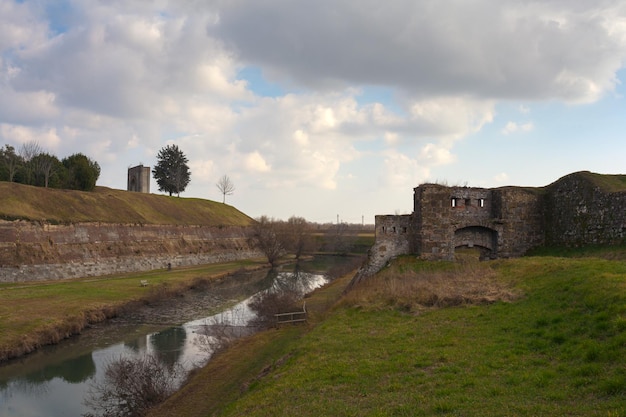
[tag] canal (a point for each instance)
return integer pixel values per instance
(55, 381)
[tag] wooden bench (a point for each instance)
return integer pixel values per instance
(144, 282)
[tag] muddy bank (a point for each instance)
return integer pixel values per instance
(162, 305)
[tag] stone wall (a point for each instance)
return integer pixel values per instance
(505, 222)
(579, 212)
(518, 215)
(40, 251)
(393, 238)
(501, 222)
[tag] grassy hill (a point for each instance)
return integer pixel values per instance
(112, 206)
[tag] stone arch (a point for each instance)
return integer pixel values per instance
(484, 238)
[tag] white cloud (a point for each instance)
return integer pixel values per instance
(501, 178)
(256, 163)
(435, 155)
(513, 127)
(47, 138)
(401, 172)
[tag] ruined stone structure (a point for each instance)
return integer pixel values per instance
(579, 209)
(139, 179)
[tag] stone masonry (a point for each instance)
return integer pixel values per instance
(502, 222)
(35, 251)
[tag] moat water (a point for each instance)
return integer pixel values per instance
(56, 380)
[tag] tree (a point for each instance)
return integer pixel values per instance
(265, 236)
(226, 187)
(28, 151)
(295, 235)
(131, 386)
(43, 167)
(171, 172)
(82, 172)
(10, 162)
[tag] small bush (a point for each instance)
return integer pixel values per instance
(267, 304)
(131, 386)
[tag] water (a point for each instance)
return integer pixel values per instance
(55, 381)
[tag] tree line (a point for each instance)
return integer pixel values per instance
(31, 165)
(296, 237)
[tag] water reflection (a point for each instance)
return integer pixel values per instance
(40, 385)
(169, 344)
(72, 371)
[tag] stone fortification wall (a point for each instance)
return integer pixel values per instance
(518, 215)
(441, 211)
(40, 251)
(578, 212)
(501, 222)
(393, 238)
(506, 222)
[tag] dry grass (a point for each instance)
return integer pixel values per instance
(446, 284)
(112, 206)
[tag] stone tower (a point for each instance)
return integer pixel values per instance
(139, 179)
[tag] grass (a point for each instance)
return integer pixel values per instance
(244, 365)
(33, 314)
(548, 341)
(23, 202)
(608, 183)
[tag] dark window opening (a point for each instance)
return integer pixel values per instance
(468, 202)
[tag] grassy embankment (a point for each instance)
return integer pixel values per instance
(107, 205)
(39, 313)
(537, 336)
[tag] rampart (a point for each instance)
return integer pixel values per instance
(32, 251)
(579, 209)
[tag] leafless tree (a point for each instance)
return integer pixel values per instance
(296, 236)
(265, 236)
(278, 300)
(28, 151)
(226, 187)
(42, 165)
(131, 386)
(212, 337)
(340, 239)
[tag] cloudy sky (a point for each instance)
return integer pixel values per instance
(321, 109)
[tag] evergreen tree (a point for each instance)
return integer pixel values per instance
(171, 172)
(82, 172)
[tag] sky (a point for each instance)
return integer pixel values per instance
(331, 110)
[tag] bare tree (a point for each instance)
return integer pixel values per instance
(131, 386)
(296, 236)
(43, 165)
(265, 236)
(28, 151)
(226, 187)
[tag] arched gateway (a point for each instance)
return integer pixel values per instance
(483, 238)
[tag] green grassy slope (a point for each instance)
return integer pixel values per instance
(556, 348)
(112, 206)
